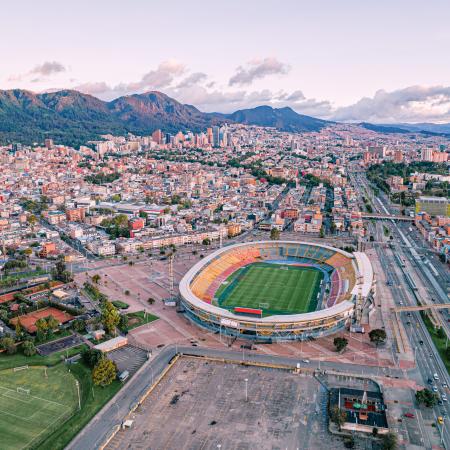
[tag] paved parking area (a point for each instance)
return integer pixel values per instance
(128, 358)
(202, 405)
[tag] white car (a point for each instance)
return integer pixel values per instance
(444, 397)
(306, 361)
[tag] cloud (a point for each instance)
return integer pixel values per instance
(194, 78)
(258, 69)
(410, 104)
(48, 68)
(160, 78)
(40, 72)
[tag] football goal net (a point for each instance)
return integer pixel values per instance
(264, 305)
(16, 369)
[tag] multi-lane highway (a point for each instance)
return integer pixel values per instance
(427, 357)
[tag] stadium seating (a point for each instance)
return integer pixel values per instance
(219, 269)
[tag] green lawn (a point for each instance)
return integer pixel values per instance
(439, 341)
(92, 397)
(138, 318)
(120, 305)
(277, 289)
(26, 419)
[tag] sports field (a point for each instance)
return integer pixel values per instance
(274, 288)
(27, 418)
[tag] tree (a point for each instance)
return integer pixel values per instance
(340, 343)
(338, 416)
(349, 442)
(377, 336)
(274, 234)
(96, 278)
(374, 431)
(389, 441)
(110, 317)
(426, 397)
(28, 348)
(60, 272)
(41, 325)
(441, 333)
(152, 300)
(104, 373)
(322, 232)
(52, 323)
(79, 325)
(19, 330)
(31, 219)
(8, 344)
(206, 241)
(91, 356)
(123, 322)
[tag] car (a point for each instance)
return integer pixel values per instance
(430, 380)
(421, 342)
(306, 361)
(410, 415)
(444, 385)
(440, 402)
(408, 323)
(440, 420)
(434, 389)
(444, 397)
(436, 377)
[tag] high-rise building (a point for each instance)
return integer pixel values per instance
(398, 156)
(209, 135)
(216, 136)
(157, 136)
(427, 154)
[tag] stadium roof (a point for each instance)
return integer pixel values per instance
(365, 272)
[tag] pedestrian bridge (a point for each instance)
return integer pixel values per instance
(386, 217)
(421, 307)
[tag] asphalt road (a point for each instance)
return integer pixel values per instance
(427, 357)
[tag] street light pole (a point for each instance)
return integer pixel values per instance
(77, 384)
(246, 389)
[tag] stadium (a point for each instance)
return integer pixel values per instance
(278, 290)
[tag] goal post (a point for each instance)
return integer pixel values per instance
(16, 369)
(21, 390)
(264, 305)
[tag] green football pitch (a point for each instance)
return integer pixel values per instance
(33, 402)
(274, 288)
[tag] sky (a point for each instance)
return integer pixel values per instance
(351, 60)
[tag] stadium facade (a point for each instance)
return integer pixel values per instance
(348, 287)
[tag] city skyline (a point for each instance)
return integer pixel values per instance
(322, 60)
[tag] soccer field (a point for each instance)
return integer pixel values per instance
(277, 289)
(27, 418)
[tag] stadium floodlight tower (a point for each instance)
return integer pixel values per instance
(172, 300)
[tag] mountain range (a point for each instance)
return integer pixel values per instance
(71, 117)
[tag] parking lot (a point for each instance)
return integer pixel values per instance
(210, 405)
